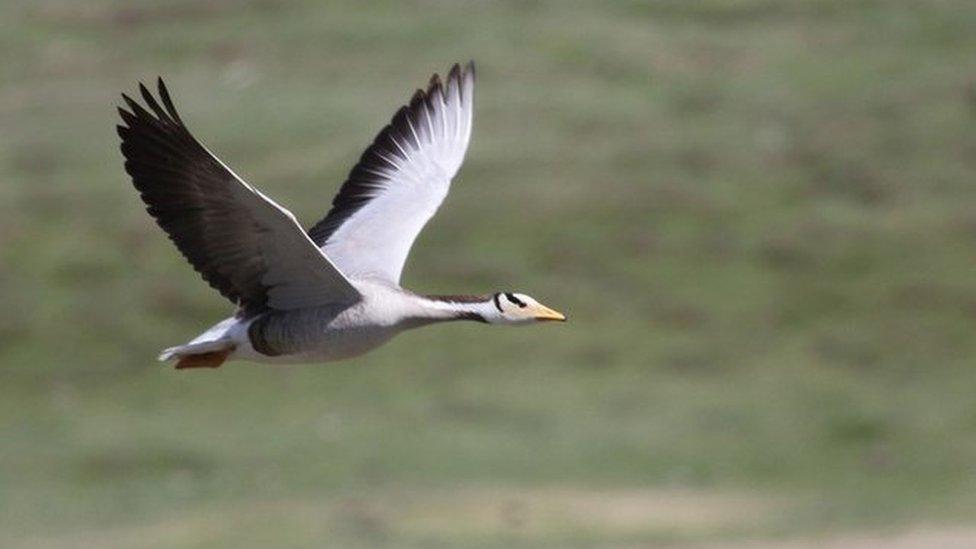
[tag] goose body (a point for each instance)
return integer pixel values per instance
(332, 292)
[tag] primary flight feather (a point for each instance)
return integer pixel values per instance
(332, 292)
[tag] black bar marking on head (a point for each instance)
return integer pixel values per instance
(511, 297)
(497, 304)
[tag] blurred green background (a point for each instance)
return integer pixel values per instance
(759, 215)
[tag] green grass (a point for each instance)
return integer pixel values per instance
(760, 217)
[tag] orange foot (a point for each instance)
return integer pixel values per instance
(204, 360)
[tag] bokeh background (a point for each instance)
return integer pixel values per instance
(759, 215)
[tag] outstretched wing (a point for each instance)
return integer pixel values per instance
(245, 245)
(400, 180)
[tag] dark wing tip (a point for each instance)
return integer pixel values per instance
(128, 100)
(167, 100)
(418, 97)
(455, 73)
(153, 104)
(135, 111)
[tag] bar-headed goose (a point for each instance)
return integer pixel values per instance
(332, 292)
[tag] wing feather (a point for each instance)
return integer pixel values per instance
(400, 180)
(246, 246)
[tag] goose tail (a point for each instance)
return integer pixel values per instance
(209, 350)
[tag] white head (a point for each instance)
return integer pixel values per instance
(516, 308)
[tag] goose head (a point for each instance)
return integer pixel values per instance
(518, 308)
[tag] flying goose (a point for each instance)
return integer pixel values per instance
(332, 292)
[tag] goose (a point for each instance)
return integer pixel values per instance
(332, 292)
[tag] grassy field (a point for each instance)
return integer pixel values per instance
(759, 215)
